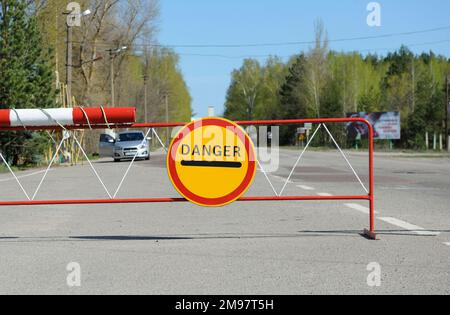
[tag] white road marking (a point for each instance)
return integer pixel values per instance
(324, 194)
(408, 188)
(282, 179)
(410, 227)
(359, 208)
(304, 187)
(447, 243)
(23, 176)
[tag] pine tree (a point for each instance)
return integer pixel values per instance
(292, 93)
(26, 78)
(293, 100)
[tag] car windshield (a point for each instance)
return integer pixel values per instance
(125, 137)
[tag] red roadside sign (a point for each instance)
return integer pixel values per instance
(211, 162)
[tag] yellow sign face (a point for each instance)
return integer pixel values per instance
(211, 162)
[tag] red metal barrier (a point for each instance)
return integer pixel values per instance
(370, 233)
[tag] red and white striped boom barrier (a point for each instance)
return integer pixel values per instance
(121, 118)
(70, 118)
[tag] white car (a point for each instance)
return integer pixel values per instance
(125, 146)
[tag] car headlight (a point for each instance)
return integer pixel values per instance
(142, 147)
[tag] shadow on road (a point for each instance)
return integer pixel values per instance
(379, 232)
(129, 238)
(119, 162)
(153, 238)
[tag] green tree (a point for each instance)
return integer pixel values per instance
(273, 77)
(293, 98)
(369, 95)
(294, 103)
(244, 91)
(26, 78)
(332, 84)
(417, 123)
(318, 66)
(165, 80)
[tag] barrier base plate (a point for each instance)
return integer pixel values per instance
(370, 235)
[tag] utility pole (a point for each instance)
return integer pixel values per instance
(145, 98)
(167, 117)
(111, 66)
(69, 63)
(113, 53)
(146, 101)
(71, 21)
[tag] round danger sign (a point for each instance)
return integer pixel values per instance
(211, 162)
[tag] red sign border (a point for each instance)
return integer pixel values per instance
(212, 202)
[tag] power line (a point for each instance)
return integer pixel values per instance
(409, 45)
(280, 44)
(313, 42)
(234, 57)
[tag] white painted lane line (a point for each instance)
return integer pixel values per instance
(447, 243)
(324, 194)
(304, 187)
(410, 227)
(282, 179)
(23, 176)
(359, 208)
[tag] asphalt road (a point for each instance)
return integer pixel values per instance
(245, 248)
